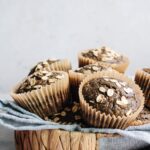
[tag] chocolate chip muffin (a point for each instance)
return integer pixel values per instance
(43, 92)
(142, 78)
(106, 55)
(79, 74)
(109, 99)
(52, 65)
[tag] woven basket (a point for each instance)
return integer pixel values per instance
(58, 140)
(62, 140)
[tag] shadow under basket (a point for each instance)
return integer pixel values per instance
(58, 140)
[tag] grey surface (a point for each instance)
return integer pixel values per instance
(33, 30)
(6, 139)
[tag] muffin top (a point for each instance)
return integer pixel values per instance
(69, 115)
(103, 54)
(39, 79)
(111, 96)
(147, 70)
(88, 69)
(43, 65)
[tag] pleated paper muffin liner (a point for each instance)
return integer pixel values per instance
(76, 78)
(62, 65)
(120, 66)
(45, 101)
(142, 78)
(98, 119)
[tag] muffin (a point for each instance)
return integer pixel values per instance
(52, 65)
(105, 55)
(110, 100)
(143, 118)
(71, 114)
(43, 92)
(142, 78)
(79, 74)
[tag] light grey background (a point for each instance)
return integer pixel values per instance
(34, 30)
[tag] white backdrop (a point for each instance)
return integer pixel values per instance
(33, 30)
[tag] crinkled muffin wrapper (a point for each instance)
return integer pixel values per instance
(45, 101)
(142, 78)
(98, 119)
(62, 65)
(75, 80)
(120, 66)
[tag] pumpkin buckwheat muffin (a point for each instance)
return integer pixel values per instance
(142, 78)
(43, 92)
(52, 65)
(79, 74)
(106, 55)
(110, 100)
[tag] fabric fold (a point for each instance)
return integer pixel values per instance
(14, 117)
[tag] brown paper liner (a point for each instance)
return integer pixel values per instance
(62, 65)
(44, 101)
(120, 66)
(75, 80)
(99, 119)
(142, 78)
